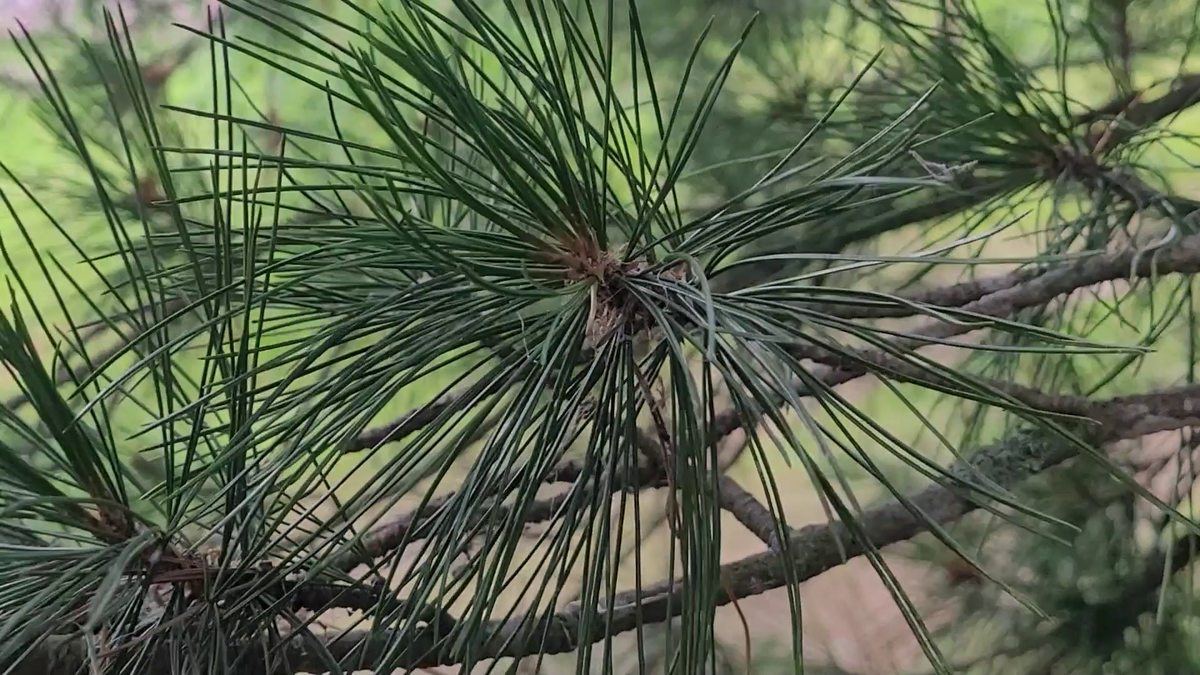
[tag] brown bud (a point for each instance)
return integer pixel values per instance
(961, 572)
(155, 75)
(148, 192)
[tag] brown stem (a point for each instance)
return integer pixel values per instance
(749, 512)
(944, 297)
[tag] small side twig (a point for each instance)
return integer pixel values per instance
(410, 526)
(749, 512)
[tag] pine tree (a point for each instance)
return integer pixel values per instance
(371, 335)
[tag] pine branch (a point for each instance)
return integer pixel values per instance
(1135, 116)
(407, 424)
(808, 552)
(1183, 258)
(819, 239)
(944, 297)
(814, 549)
(998, 297)
(801, 554)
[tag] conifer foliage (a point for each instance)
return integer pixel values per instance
(354, 335)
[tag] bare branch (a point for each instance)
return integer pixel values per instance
(750, 512)
(1185, 92)
(412, 422)
(1183, 258)
(943, 297)
(1182, 96)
